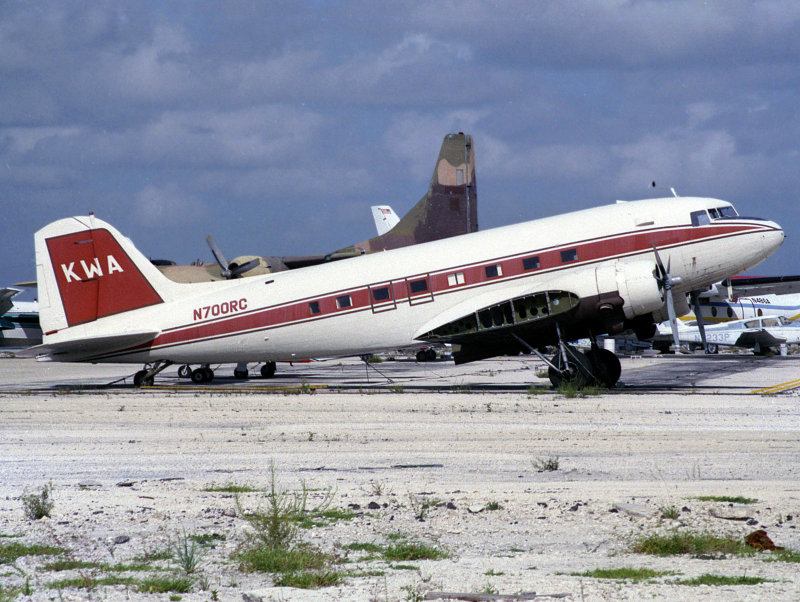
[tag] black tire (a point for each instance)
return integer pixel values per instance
(605, 366)
(199, 376)
(240, 374)
(140, 379)
(268, 369)
(577, 371)
(209, 374)
(712, 348)
(430, 355)
(421, 356)
(185, 371)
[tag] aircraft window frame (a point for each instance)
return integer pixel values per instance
(531, 263)
(569, 255)
(313, 307)
(751, 324)
(727, 212)
(493, 271)
(700, 218)
(730, 311)
(455, 279)
(772, 322)
(344, 302)
(713, 213)
(383, 290)
(414, 286)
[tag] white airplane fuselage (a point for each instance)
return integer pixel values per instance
(379, 301)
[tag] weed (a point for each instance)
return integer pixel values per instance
(405, 567)
(10, 552)
(309, 579)
(549, 464)
(69, 565)
(151, 555)
(37, 506)
(569, 388)
(493, 506)
(784, 556)
(420, 505)
(165, 584)
(301, 557)
(373, 359)
(10, 593)
(207, 539)
(696, 544)
(493, 573)
(187, 552)
(378, 488)
(396, 389)
(731, 499)
(710, 579)
(624, 573)
(230, 488)
(671, 512)
(409, 550)
(364, 547)
(90, 582)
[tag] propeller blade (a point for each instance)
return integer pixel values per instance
(223, 263)
(698, 313)
(245, 267)
(673, 319)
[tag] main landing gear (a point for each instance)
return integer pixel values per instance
(597, 366)
(146, 376)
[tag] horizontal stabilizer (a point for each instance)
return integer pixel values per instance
(5, 298)
(87, 347)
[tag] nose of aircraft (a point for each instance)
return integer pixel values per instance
(773, 238)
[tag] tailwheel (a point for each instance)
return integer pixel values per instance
(577, 370)
(268, 370)
(605, 366)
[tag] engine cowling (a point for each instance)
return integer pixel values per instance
(638, 287)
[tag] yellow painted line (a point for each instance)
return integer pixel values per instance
(777, 388)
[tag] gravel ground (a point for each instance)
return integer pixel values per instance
(457, 471)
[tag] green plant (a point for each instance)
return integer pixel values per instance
(11, 551)
(549, 464)
(309, 579)
(696, 544)
(491, 506)
(230, 487)
(420, 505)
(633, 574)
(409, 550)
(165, 584)
(187, 552)
(731, 499)
(671, 512)
(710, 579)
(37, 506)
(7, 594)
(570, 388)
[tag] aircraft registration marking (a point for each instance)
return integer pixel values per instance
(220, 309)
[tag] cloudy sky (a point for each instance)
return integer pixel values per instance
(275, 125)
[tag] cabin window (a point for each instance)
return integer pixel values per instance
(713, 213)
(380, 294)
(569, 255)
(730, 312)
(344, 301)
(455, 279)
(713, 311)
(493, 271)
(700, 218)
(418, 286)
(727, 212)
(313, 307)
(530, 263)
(760, 313)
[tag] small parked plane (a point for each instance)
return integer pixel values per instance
(19, 320)
(500, 291)
(759, 334)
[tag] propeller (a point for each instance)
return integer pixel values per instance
(666, 282)
(699, 315)
(229, 270)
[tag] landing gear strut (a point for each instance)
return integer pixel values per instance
(146, 376)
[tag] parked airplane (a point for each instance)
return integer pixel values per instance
(449, 208)
(759, 334)
(494, 292)
(19, 320)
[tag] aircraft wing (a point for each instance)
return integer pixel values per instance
(6, 295)
(490, 322)
(87, 347)
(751, 286)
(762, 338)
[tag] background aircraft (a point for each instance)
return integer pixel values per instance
(19, 321)
(762, 335)
(385, 218)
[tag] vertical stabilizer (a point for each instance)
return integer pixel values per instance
(87, 270)
(449, 208)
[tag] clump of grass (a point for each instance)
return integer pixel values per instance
(731, 499)
(68, 564)
(783, 556)
(420, 505)
(710, 579)
(165, 584)
(187, 552)
(411, 550)
(38, 505)
(230, 487)
(491, 506)
(7, 594)
(11, 551)
(90, 583)
(626, 573)
(570, 389)
(671, 512)
(207, 539)
(549, 464)
(309, 579)
(695, 544)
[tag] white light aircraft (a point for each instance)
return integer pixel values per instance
(19, 320)
(759, 334)
(501, 291)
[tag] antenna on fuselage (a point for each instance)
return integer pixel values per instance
(670, 188)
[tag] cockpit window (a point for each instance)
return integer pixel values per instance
(727, 212)
(700, 218)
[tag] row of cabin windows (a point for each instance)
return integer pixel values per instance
(455, 279)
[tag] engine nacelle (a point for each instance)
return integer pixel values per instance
(638, 287)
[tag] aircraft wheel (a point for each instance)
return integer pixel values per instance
(422, 356)
(605, 366)
(578, 370)
(209, 374)
(268, 370)
(712, 348)
(430, 355)
(185, 371)
(240, 374)
(140, 379)
(199, 376)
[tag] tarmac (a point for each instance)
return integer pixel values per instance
(526, 489)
